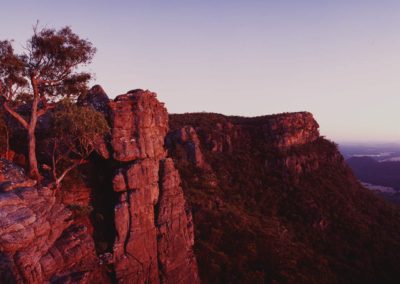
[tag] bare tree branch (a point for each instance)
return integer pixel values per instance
(16, 115)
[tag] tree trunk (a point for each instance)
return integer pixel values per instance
(33, 164)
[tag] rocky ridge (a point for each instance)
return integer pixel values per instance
(278, 204)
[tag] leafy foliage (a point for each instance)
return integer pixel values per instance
(78, 127)
(47, 71)
(76, 130)
(51, 60)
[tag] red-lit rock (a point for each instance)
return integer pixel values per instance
(39, 238)
(139, 125)
(284, 130)
(135, 248)
(174, 230)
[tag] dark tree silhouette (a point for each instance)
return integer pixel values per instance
(47, 71)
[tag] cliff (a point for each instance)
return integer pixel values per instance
(120, 218)
(190, 197)
(276, 203)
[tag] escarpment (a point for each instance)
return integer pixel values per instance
(195, 198)
(278, 204)
(121, 218)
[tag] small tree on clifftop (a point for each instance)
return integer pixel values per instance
(45, 72)
(75, 131)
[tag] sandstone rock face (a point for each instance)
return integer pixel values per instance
(135, 248)
(147, 249)
(286, 130)
(139, 125)
(12, 176)
(46, 236)
(187, 137)
(174, 230)
(154, 231)
(39, 241)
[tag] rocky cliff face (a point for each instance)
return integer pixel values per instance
(40, 238)
(285, 130)
(273, 202)
(46, 235)
(278, 204)
(152, 245)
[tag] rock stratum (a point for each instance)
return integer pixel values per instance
(196, 198)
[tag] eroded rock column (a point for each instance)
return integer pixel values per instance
(177, 263)
(154, 241)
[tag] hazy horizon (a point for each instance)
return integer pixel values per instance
(337, 59)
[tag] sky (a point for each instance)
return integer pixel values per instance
(338, 59)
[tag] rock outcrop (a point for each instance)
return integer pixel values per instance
(96, 98)
(145, 251)
(285, 130)
(40, 240)
(47, 236)
(139, 125)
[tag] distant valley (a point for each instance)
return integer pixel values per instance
(377, 167)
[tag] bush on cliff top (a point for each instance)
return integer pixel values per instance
(75, 130)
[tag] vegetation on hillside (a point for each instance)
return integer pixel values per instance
(258, 222)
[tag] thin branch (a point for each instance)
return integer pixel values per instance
(16, 115)
(70, 168)
(64, 156)
(44, 110)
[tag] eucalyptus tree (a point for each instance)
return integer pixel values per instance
(46, 71)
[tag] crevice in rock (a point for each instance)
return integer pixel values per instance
(156, 212)
(128, 233)
(103, 200)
